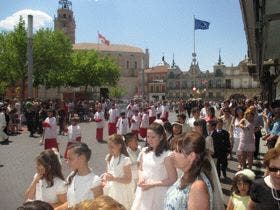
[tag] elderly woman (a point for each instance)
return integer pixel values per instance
(194, 189)
(265, 192)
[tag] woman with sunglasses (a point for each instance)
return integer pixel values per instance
(194, 189)
(265, 192)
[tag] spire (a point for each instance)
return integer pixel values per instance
(194, 61)
(173, 61)
(220, 59)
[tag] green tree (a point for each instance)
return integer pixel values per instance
(13, 55)
(52, 58)
(116, 92)
(89, 69)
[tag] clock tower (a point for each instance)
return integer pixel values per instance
(65, 20)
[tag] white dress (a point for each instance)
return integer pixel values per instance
(123, 193)
(153, 169)
(50, 194)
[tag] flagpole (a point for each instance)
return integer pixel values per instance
(97, 41)
(194, 34)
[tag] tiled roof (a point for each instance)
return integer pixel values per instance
(157, 69)
(110, 48)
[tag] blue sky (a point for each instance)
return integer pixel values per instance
(163, 26)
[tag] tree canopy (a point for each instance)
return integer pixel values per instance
(55, 64)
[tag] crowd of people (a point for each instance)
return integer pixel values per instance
(179, 166)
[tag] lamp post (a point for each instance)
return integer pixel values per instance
(30, 56)
(142, 83)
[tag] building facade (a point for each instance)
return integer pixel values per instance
(131, 60)
(224, 82)
(261, 20)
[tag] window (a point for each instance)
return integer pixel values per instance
(185, 84)
(135, 64)
(210, 95)
(127, 64)
(64, 16)
(163, 88)
(157, 89)
(228, 83)
(178, 84)
(210, 84)
(151, 89)
(218, 84)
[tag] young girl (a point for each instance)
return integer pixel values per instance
(241, 185)
(156, 171)
(133, 150)
(48, 183)
(177, 129)
(118, 176)
(234, 132)
(144, 124)
(73, 133)
(122, 124)
(247, 138)
(135, 123)
(82, 183)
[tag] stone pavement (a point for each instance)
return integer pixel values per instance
(18, 159)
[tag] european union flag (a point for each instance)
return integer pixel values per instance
(201, 24)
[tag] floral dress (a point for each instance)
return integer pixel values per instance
(177, 199)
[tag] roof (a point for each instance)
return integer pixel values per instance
(157, 69)
(110, 48)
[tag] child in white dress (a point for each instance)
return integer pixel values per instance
(48, 183)
(122, 124)
(133, 150)
(118, 176)
(74, 133)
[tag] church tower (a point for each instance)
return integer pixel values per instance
(65, 20)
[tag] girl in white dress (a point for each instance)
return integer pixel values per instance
(48, 183)
(234, 133)
(118, 176)
(133, 150)
(82, 183)
(156, 171)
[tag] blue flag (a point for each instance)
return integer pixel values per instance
(201, 24)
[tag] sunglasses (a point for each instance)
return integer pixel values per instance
(273, 169)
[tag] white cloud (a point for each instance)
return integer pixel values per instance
(40, 19)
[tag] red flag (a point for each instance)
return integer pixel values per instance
(103, 39)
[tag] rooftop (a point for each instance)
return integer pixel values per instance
(110, 48)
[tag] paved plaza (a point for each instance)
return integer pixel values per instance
(18, 159)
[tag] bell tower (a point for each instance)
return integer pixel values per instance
(65, 20)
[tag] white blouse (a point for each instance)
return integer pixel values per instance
(49, 194)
